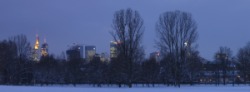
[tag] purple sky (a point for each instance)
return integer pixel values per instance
(63, 22)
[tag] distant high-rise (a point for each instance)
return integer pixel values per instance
(44, 48)
(155, 55)
(104, 57)
(80, 47)
(90, 52)
(113, 49)
(75, 52)
(36, 50)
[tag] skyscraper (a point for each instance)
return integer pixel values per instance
(155, 55)
(75, 52)
(36, 50)
(80, 48)
(44, 48)
(104, 57)
(113, 49)
(90, 52)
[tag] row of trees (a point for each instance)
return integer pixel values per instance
(15, 65)
(176, 35)
(179, 61)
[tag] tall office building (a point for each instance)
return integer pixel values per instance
(104, 57)
(113, 49)
(75, 52)
(155, 55)
(80, 48)
(90, 52)
(36, 50)
(44, 48)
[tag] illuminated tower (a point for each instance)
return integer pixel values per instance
(113, 49)
(90, 52)
(36, 49)
(44, 48)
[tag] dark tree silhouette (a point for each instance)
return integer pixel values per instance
(116, 72)
(223, 59)
(244, 62)
(150, 71)
(177, 34)
(16, 60)
(23, 48)
(193, 67)
(128, 30)
(96, 70)
(23, 64)
(75, 71)
(7, 60)
(47, 71)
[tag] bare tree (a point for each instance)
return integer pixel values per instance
(244, 62)
(128, 30)
(23, 68)
(150, 71)
(193, 67)
(177, 34)
(23, 48)
(7, 60)
(223, 58)
(14, 54)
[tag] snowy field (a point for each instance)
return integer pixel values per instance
(199, 88)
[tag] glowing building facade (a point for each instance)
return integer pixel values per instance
(104, 57)
(44, 48)
(36, 50)
(90, 52)
(113, 49)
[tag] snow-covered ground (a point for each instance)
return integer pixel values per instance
(198, 88)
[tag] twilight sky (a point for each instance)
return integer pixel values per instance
(63, 22)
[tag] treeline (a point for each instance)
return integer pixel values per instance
(178, 61)
(18, 68)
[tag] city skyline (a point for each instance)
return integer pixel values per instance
(220, 23)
